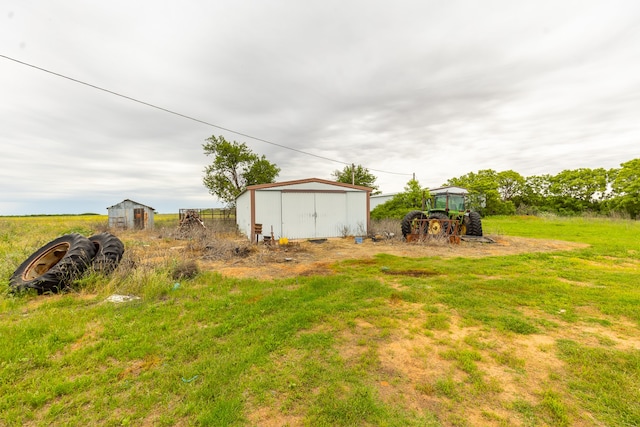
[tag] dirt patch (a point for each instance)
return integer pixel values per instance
(304, 258)
(271, 417)
(136, 367)
(237, 257)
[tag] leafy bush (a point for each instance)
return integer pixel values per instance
(402, 203)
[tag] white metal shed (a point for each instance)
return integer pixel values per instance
(302, 209)
(130, 215)
(379, 199)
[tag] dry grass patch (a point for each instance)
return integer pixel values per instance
(271, 417)
(413, 369)
(136, 367)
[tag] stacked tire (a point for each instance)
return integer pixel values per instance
(56, 265)
(109, 251)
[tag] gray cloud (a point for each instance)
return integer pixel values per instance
(438, 89)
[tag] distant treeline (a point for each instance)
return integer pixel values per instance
(570, 192)
(40, 215)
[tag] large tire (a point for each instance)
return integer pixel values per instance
(464, 225)
(407, 222)
(109, 251)
(55, 265)
(474, 228)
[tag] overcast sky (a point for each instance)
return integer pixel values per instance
(435, 88)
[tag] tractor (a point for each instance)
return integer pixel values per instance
(446, 214)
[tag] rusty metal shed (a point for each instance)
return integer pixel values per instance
(306, 208)
(130, 215)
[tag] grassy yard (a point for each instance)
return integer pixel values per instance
(536, 339)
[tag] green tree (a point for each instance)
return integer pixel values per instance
(484, 195)
(357, 175)
(234, 168)
(578, 190)
(402, 203)
(510, 184)
(626, 187)
(534, 195)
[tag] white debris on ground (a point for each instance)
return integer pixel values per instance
(115, 298)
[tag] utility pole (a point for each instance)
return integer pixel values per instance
(353, 174)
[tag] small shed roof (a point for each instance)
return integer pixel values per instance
(306, 181)
(132, 201)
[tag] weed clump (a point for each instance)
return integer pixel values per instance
(225, 249)
(187, 269)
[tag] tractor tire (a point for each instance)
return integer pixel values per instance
(464, 225)
(109, 251)
(436, 227)
(407, 222)
(475, 224)
(54, 266)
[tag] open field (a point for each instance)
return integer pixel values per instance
(540, 328)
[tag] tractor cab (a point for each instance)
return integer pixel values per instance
(447, 202)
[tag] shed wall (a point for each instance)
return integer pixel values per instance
(357, 213)
(269, 212)
(243, 213)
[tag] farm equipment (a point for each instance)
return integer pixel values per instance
(447, 214)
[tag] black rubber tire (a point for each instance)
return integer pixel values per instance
(407, 221)
(109, 251)
(475, 224)
(438, 215)
(464, 225)
(54, 266)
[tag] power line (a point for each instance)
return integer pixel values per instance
(166, 110)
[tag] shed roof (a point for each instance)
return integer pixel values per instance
(306, 181)
(132, 201)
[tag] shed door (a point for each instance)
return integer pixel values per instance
(138, 218)
(331, 211)
(308, 215)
